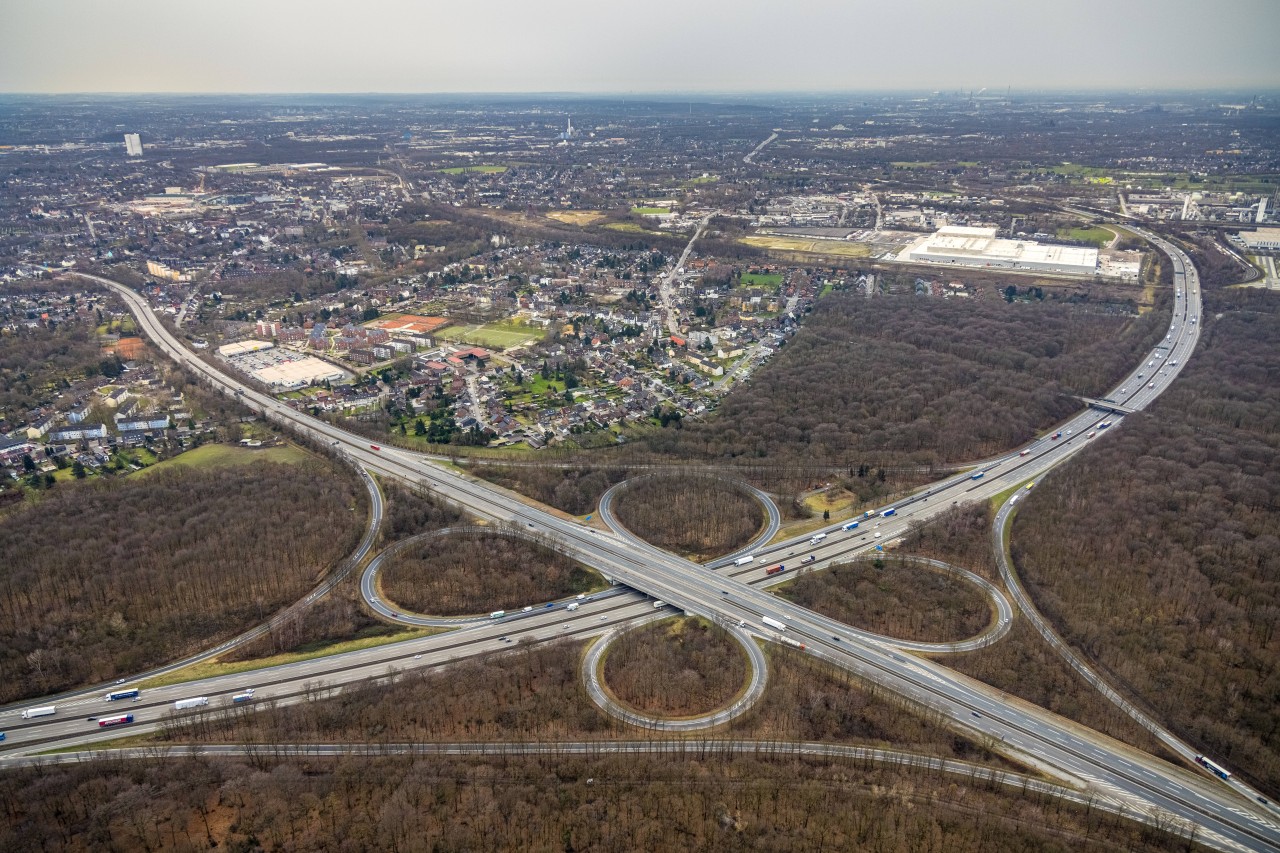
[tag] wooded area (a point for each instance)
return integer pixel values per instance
(678, 667)
(900, 599)
(1021, 664)
(480, 573)
(572, 490)
(698, 517)
(36, 364)
(672, 801)
(1158, 552)
(897, 381)
(534, 694)
(342, 615)
(110, 578)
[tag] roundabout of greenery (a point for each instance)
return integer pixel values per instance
(900, 597)
(476, 570)
(698, 516)
(677, 673)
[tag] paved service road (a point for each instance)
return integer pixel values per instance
(1042, 739)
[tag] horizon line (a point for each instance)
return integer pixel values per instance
(972, 91)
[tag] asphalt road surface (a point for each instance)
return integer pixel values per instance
(1073, 753)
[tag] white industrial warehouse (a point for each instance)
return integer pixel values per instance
(980, 247)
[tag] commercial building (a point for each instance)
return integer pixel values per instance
(1261, 239)
(242, 347)
(133, 144)
(980, 247)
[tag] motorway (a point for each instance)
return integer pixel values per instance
(1057, 746)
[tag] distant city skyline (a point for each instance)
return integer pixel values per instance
(401, 46)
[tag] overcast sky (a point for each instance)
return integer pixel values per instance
(646, 45)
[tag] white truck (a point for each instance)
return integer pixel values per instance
(742, 561)
(770, 622)
(572, 606)
(816, 538)
(193, 702)
(46, 711)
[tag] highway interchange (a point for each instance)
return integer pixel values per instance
(1058, 747)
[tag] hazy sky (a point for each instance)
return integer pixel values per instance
(644, 45)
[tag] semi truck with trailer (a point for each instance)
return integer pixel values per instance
(193, 702)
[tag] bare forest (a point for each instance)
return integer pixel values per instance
(114, 577)
(676, 667)
(904, 381)
(478, 573)
(1177, 518)
(677, 800)
(894, 597)
(699, 517)
(535, 693)
(37, 364)
(1022, 663)
(572, 490)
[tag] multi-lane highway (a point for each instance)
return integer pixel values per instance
(1042, 739)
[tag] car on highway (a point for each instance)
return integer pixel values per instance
(1029, 485)
(1068, 432)
(809, 559)
(1151, 384)
(1092, 433)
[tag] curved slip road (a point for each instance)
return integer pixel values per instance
(1037, 736)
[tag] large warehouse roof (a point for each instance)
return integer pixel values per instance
(980, 247)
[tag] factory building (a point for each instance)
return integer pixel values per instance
(980, 247)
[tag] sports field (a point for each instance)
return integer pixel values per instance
(496, 336)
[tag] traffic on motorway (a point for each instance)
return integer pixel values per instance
(1038, 736)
